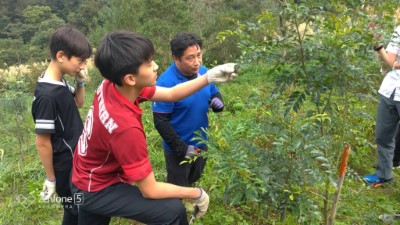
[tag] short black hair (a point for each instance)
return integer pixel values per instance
(181, 41)
(70, 41)
(121, 53)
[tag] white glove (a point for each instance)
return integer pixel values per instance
(49, 188)
(223, 73)
(82, 76)
(201, 203)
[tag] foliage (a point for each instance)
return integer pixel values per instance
(308, 86)
(327, 54)
(204, 18)
(263, 167)
(134, 16)
(27, 26)
(264, 162)
(33, 21)
(20, 79)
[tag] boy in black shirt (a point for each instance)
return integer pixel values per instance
(58, 124)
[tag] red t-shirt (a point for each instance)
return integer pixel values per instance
(112, 147)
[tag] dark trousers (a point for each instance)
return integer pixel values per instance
(185, 174)
(387, 122)
(396, 156)
(125, 200)
(63, 191)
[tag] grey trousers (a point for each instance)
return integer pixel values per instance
(387, 120)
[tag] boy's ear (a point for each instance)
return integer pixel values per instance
(60, 56)
(130, 79)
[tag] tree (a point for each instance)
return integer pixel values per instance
(85, 17)
(44, 30)
(32, 17)
(323, 64)
(10, 56)
(30, 36)
(152, 19)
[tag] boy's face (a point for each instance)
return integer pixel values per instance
(147, 74)
(190, 61)
(73, 65)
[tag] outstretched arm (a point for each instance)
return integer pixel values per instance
(219, 74)
(179, 91)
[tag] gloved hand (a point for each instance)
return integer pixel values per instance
(49, 188)
(201, 203)
(223, 73)
(216, 104)
(192, 151)
(82, 76)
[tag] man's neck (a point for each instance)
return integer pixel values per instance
(191, 77)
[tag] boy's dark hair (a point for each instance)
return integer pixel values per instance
(70, 41)
(182, 41)
(121, 53)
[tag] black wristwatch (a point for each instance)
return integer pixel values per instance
(378, 48)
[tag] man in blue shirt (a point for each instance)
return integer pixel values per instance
(177, 122)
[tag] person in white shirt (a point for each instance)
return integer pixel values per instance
(388, 112)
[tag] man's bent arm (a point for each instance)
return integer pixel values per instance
(152, 189)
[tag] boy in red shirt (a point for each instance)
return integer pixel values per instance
(112, 152)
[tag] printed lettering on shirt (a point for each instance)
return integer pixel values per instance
(104, 116)
(86, 133)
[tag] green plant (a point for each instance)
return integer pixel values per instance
(315, 81)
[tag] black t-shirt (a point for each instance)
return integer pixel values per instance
(55, 112)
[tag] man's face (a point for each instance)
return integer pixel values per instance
(190, 61)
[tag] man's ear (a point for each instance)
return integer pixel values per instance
(129, 79)
(175, 58)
